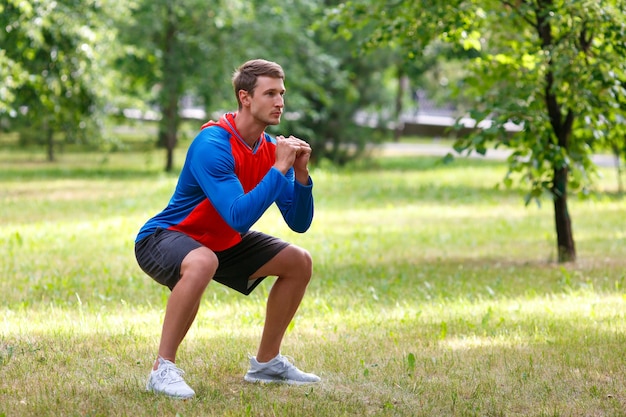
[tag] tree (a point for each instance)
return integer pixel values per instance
(51, 60)
(327, 85)
(174, 48)
(551, 66)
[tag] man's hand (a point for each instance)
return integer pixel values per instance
(293, 152)
(301, 164)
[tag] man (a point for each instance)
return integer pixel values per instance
(232, 174)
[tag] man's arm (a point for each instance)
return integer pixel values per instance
(296, 204)
(296, 201)
(213, 166)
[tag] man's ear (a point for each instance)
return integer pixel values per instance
(244, 97)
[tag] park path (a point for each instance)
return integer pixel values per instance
(442, 149)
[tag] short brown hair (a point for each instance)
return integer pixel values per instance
(245, 77)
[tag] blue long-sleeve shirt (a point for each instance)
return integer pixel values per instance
(225, 187)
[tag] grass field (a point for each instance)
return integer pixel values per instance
(434, 294)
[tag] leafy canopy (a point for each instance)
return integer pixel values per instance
(556, 68)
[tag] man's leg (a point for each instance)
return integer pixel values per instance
(197, 270)
(293, 266)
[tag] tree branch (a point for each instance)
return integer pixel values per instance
(517, 8)
(584, 40)
(544, 30)
(567, 128)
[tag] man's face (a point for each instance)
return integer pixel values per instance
(267, 103)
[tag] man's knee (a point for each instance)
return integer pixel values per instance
(308, 261)
(303, 261)
(200, 263)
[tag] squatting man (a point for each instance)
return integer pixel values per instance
(233, 173)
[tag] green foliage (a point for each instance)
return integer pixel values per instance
(54, 54)
(562, 58)
(554, 85)
(191, 48)
(326, 83)
(170, 48)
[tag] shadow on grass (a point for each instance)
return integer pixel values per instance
(115, 165)
(42, 171)
(466, 280)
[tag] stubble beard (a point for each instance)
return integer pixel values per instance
(273, 120)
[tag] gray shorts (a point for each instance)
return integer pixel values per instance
(161, 254)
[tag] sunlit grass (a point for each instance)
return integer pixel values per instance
(434, 293)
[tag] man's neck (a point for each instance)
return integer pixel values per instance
(248, 128)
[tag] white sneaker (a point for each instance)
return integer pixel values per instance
(278, 370)
(168, 380)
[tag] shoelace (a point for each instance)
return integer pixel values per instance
(171, 374)
(286, 362)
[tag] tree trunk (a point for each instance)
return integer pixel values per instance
(49, 140)
(565, 237)
(169, 129)
(402, 86)
(168, 126)
(618, 169)
(562, 123)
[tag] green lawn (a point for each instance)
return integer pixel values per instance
(434, 294)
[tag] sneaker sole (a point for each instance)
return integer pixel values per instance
(277, 381)
(176, 397)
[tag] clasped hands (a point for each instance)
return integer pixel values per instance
(293, 152)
